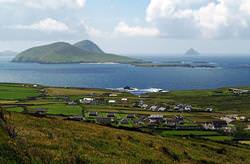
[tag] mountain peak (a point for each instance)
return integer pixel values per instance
(89, 46)
(192, 51)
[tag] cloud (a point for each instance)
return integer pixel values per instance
(47, 4)
(46, 25)
(196, 18)
(132, 31)
(94, 32)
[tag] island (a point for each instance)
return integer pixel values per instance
(61, 52)
(192, 52)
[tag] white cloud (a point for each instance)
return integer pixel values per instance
(125, 29)
(196, 18)
(94, 32)
(47, 4)
(46, 25)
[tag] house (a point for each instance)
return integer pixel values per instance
(171, 122)
(93, 114)
(124, 121)
(111, 114)
(104, 120)
(141, 103)
(153, 108)
(40, 111)
(183, 107)
(179, 119)
(124, 99)
(72, 103)
(215, 125)
(131, 116)
(227, 119)
(188, 108)
(75, 118)
(112, 101)
(144, 106)
(208, 110)
(239, 91)
(112, 95)
(86, 100)
(162, 109)
(156, 119)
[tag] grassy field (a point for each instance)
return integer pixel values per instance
(188, 133)
(16, 92)
(219, 99)
(43, 140)
(61, 109)
(40, 140)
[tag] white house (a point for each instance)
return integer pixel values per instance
(124, 99)
(111, 101)
(162, 109)
(86, 100)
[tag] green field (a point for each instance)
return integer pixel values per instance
(17, 92)
(61, 109)
(188, 133)
(52, 139)
(43, 140)
(219, 99)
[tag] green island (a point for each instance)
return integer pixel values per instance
(61, 52)
(42, 124)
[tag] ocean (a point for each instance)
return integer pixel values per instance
(229, 72)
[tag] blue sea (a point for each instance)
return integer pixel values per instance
(230, 71)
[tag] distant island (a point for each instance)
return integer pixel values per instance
(85, 51)
(192, 52)
(8, 53)
(184, 65)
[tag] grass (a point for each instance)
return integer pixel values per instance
(219, 99)
(187, 133)
(15, 109)
(61, 109)
(72, 92)
(44, 140)
(219, 138)
(245, 142)
(16, 92)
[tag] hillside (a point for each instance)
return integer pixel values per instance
(89, 46)
(46, 140)
(62, 52)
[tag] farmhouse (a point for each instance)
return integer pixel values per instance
(215, 125)
(104, 120)
(183, 107)
(75, 118)
(86, 100)
(239, 91)
(40, 111)
(156, 119)
(144, 106)
(72, 103)
(162, 109)
(93, 114)
(131, 116)
(112, 101)
(124, 99)
(124, 121)
(111, 114)
(112, 95)
(153, 108)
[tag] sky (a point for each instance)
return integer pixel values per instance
(136, 27)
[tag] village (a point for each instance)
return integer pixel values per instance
(155, 118)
